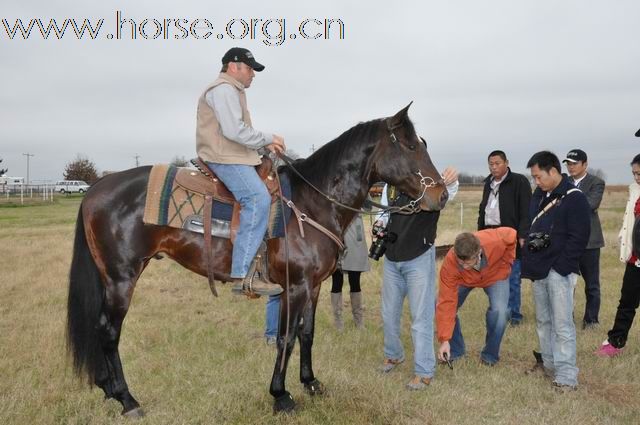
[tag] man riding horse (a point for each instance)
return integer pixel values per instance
(228, 143)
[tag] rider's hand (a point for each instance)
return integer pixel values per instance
(449, 175)
(274, 148)
(444, 348)
(277, 144)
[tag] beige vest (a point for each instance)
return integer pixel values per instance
(211, 145)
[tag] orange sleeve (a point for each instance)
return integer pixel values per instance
(510, 238)
(447, 305)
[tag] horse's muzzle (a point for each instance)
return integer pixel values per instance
(430, 204)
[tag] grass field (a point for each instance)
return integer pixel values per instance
(192, 359)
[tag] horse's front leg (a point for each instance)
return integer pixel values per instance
(291, 306)
(305, 334)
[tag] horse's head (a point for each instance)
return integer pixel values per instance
(401, 159)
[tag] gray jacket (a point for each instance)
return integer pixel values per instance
(356, 256)
(593, 189)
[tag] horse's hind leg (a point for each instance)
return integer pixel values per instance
(111, 377)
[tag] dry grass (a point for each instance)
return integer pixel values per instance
(193, 359)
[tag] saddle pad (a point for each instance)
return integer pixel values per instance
(168, 204)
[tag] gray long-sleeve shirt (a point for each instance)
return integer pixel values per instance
(225, 102)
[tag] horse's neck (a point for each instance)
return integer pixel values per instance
(348, 186)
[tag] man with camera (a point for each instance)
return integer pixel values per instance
(477, 260)
(409, 270)
(560, 226)
(593, 188)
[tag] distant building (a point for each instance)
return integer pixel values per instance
(10, 183)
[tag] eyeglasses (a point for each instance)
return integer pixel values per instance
(468, 263)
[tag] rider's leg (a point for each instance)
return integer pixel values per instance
(249, 190)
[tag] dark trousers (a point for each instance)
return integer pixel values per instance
(590, 271)
(629, 301)
(337, 278)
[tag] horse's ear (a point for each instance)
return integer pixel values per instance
(638, 133)
(401, 115)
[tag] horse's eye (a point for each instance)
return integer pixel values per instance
(412, 147)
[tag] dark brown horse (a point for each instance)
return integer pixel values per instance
(113, 246)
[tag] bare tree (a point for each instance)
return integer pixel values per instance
(179, 161)
(3, 170)
(81, 168)
(464, 178)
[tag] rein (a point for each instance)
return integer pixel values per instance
(408, 209)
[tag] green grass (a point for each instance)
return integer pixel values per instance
(190, 358)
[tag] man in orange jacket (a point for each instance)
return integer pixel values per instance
(477, 260)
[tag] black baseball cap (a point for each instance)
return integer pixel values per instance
(238, 54)
(575, 155)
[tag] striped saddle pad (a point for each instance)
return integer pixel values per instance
(169, 204)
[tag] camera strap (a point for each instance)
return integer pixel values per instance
(552, 204)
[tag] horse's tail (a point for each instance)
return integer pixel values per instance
(84, 305)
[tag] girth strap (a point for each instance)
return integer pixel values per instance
(302, 217)
(208, 203)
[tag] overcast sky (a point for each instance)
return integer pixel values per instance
(521, 76)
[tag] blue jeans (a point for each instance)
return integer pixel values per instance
(553, 296)
(496, 321)
(272, 316)
(416, 280)
(249, 190)
(514, 291)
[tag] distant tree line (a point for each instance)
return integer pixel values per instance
(464, 178)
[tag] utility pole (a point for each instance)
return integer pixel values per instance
(137, 157)
(28, 155)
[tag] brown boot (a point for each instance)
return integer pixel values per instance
(357, 310)
(336, 306)
(255, 285)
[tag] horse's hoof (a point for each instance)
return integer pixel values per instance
(284, 404)
(314, 387)
(135, 413)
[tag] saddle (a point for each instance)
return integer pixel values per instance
(207, 184)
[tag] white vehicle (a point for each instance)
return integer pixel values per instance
(71, 186)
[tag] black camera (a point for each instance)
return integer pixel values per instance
(538, 241)
(378, 246)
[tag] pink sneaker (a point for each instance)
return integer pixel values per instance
(607, 350)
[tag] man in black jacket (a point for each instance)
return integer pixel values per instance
(409, 271)
(593, 188)
(560, 224)
(505, 202)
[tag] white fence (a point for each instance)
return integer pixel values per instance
(43, 192)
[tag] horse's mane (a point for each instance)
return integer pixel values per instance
(316, 168)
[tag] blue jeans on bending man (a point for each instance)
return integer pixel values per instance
(415, 280)
(515, 282)
(496, 321)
